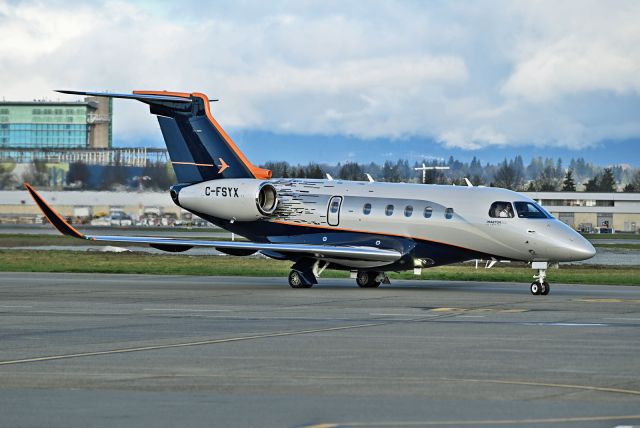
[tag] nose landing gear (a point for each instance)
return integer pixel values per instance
(540, 286)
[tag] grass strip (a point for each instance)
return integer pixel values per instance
(620, 236)
(143, 263)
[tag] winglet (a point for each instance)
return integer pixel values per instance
(54, 218)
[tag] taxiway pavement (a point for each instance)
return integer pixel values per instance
(139, 350)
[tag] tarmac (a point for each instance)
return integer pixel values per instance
(160, 351)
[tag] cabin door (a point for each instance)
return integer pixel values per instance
(333, 211)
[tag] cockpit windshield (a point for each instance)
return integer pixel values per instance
(530, 210)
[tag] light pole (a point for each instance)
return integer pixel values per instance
(424, 169)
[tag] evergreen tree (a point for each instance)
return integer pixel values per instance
(507, 177)
(635, 181)
(351, 171)
(78, 173)
(607, 182)
(592, 185)
(313, 170)
(7, 180)
(389, 172)
(37, 174)
(568, 185)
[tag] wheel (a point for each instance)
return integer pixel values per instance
(296, 280)
(545, 288)
(535, 288)
(366, 279)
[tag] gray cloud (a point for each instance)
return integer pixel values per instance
(468, 74)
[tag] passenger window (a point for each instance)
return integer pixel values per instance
(448, 213)
(389, 210)
(335, 205)
(501, 209)
(366, 210)
(408, 211)
(427, 212)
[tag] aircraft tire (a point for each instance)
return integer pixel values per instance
(366, 279)
(535, 288)
(545, 288)
(296, 280)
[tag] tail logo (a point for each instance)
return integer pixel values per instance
(223, 165)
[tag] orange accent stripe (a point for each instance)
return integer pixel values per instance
(167, 93)
(193, 163)
(260, 173)
(371, 233)
(36, 196)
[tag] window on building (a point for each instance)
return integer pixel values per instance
(448, 213)
(366, 210)
(501, 209)
(408, 211)
(388, 210)
(428, 211)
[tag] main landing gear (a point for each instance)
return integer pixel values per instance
(305, 275)
(539, 286)
(371, 279)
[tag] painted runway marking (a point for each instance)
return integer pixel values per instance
(551, 385)
(608, 300)
(493, 310)
(186, 344)
(186, 310)
(566, 324)
(15, 306)
(401, 315)
(477, 422)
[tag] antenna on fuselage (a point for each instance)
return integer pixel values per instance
(424, 169)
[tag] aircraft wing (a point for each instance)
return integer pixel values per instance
(176, 245)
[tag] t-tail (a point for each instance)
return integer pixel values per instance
(200, 150)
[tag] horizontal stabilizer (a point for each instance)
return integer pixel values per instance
(139, 97)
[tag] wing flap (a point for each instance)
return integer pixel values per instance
(175, 244)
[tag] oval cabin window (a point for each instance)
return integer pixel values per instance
(366, 210)
(448, 213)
(408, 211)
(389, 210)
(428, 212)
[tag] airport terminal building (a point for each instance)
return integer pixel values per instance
(588, 212)
(83, 124)
(60, 133)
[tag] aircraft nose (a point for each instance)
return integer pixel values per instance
(577, 247)
(582, 249)
(567, 245)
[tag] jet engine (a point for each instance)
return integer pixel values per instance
(238, 199)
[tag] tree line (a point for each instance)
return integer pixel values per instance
(540, 174)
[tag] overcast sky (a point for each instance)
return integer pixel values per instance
(468, 75)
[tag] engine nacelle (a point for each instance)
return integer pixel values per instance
(240, 199)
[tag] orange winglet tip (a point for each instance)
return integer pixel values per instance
(54, 218)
